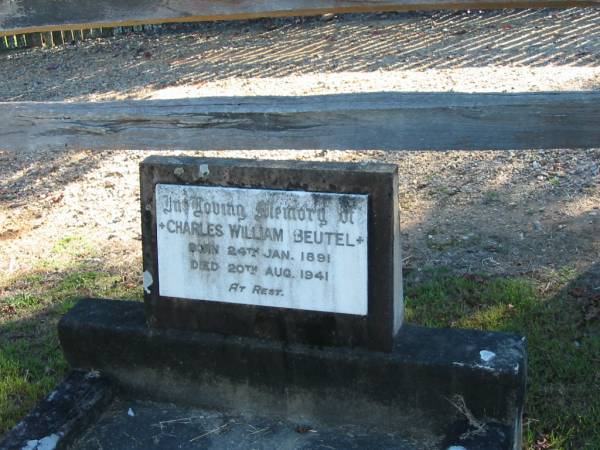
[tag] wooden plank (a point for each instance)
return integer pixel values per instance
(27, 16)
(385, 121)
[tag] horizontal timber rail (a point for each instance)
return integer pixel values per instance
(28, 16)
(383, 121)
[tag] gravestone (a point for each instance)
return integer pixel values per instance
(297, 252)
(273, 301)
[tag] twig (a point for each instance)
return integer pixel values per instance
(459, 403)
(545, 289)
(186, 420)
(208, 432)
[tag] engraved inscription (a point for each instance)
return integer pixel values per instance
(289, 249)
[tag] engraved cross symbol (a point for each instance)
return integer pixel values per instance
(360, 240)
(162, 225)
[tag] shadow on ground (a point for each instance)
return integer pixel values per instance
(37, 180)
(473, 211)
(359, 43)
(31, 362)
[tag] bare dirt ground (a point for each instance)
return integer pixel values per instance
(517, 212)
(493, 212)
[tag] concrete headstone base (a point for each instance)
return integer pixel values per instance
(437, 389)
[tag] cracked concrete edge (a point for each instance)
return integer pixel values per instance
(60, 418)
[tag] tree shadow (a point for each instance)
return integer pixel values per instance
(31, 304)
(32, 184)
(495, 213)
(473, 211)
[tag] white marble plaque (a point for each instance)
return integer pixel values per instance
(288, 249)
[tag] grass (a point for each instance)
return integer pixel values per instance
(31, 362)
(439, 242)
(563, 397)
(563, 394)
(490, 197)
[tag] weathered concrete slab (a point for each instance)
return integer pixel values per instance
(418, 388)
(130, 424)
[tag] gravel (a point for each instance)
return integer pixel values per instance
(513, 212)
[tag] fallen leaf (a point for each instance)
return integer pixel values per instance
(57, 198)
(9, 310)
